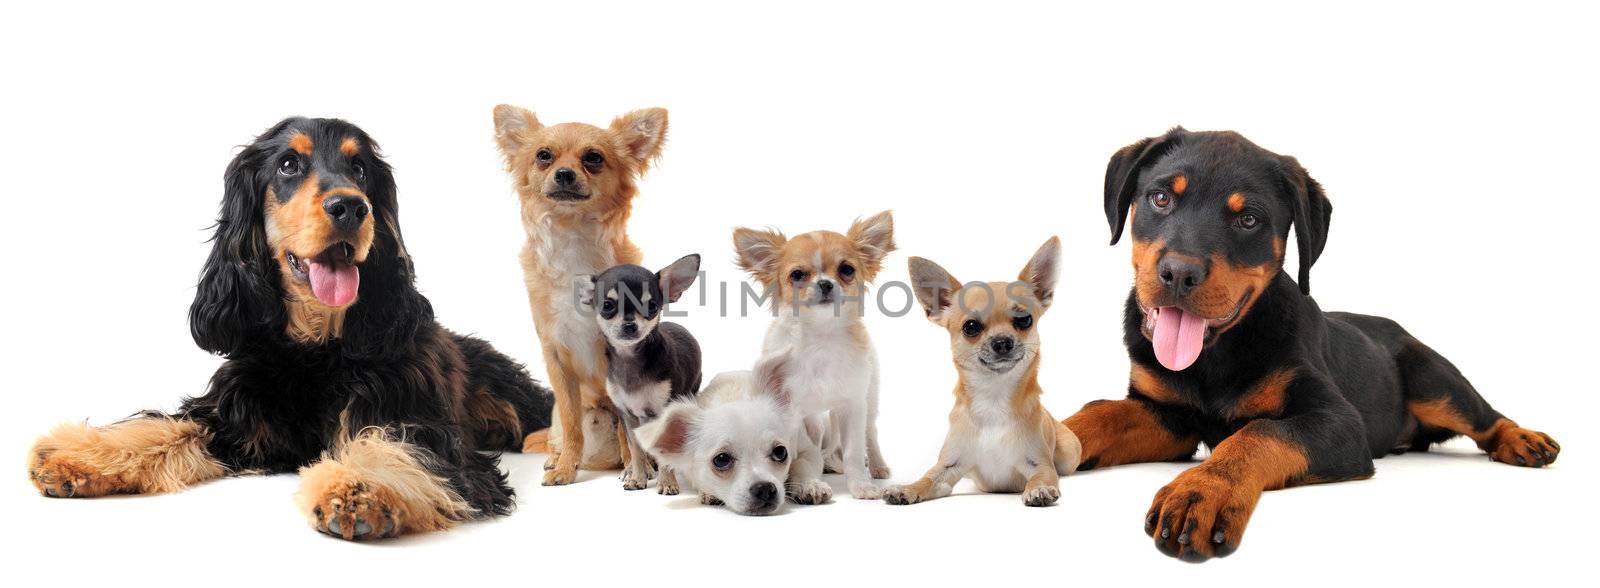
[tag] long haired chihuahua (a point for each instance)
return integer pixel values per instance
(1000, 435)
(649, 361)
(576, 185)
(739, 442)
(817, 285)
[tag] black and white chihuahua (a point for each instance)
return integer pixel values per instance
(650, 362)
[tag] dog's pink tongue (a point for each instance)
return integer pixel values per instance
(334, 284)
(1178, 337)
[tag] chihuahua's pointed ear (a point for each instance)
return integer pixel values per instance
(1041, 271)
(771, 373)
(1313, 214)
(512, 124)
(676, 278)
(668, 437)
(1122, 174)
(874, 238)
(758, 251)
(934, 287)
(583, 289)
(643, 132)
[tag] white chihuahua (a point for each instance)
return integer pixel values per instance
(817, 282)
(739, 443)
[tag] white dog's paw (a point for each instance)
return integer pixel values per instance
(668, 485)
(813, 492)
(879, 472)
(710, 500)
(1041, 496)
(866, 490)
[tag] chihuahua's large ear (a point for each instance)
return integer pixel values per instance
(771, 377)
(676, 278)
(668, 437)
(1313, 215)
(512, 124)
(1122, 174)
(934, 287)
(643, 132)
(758, 251)
(1041, 271)
(874, 238)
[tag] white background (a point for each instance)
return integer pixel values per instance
(1456, 141)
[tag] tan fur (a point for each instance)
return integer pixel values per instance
(1266, 397)
(1118, 432)
(1179, 184)
(378, 479)
(1236, 202)
(567, 239)
(349, 146)
(1220, 494)
(771, 258)
(301, 227)
(1023, 426)
(300, 142)
(1504, 440)
(142, 455)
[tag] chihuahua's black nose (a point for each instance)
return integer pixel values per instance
(1181, 275)
(630, 328)
(1002, 346)
(565, 176)
(346, 212)
(825, 286)
(765, 493)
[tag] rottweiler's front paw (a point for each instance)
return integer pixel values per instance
(1524, 447)
(1200, 516)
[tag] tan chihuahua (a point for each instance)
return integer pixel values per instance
(576, 185)
(1000, 435)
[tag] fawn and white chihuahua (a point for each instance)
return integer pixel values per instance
(817, 284)
(1000, 435)
(740, 443)
(576, 184)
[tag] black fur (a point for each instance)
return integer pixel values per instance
(277, 404)
(630, 294)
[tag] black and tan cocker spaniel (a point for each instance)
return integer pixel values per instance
(335, 366)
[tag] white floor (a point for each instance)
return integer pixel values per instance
(1447, 516)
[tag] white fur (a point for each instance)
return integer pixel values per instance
(566, 255)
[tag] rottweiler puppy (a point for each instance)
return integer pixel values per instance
(1227, 350)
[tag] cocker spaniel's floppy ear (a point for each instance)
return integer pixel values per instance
(240, 294)
(389, 313)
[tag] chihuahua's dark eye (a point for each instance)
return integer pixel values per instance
(1160, 200)
(1022, 322)
(608, 308)
(359, 170)
(797, 276)
(593, 159)
(780, 454)
(1248, 221)
(545, 156)
(290, 166)
(722, 461)
(971, 328)
(846, 270)
(651, 307)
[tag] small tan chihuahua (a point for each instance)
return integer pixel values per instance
(1000, 435)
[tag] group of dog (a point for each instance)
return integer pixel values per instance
(335, 367)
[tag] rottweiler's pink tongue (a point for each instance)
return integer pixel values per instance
(335, 284)
(1178, 337)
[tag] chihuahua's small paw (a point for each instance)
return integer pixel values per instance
(812, 492)
(668, 485)
(1041, 496)
(560, 476)
(879, 472)
(865, 490)
(710, 500)
(636, 477)
(900, 495)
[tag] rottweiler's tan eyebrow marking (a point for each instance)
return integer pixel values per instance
(349, 146)
(1179, 184)
(300, 142)
(1236, 202)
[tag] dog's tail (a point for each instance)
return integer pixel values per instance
(504, 405)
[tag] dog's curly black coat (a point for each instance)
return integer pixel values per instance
(278, 403)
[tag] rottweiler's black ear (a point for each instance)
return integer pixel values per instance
(1122, 175)
(1312, 215)
(239, 293)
